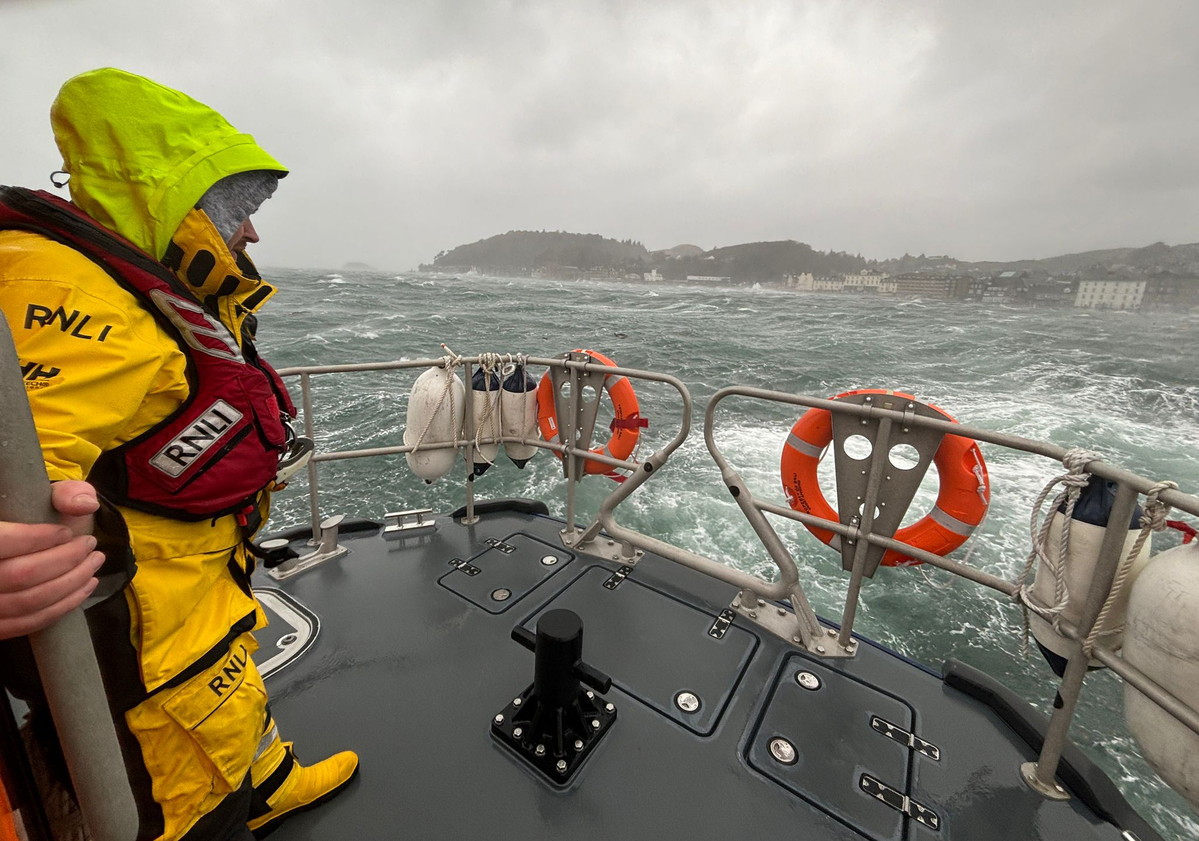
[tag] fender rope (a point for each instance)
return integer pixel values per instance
(449, 363)
(1073, 481)
(1153, 518)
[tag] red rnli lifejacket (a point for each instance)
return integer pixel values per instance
(219, 450)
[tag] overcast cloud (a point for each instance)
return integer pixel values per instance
(986, 131)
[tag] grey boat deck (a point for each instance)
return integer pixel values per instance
(414, 658)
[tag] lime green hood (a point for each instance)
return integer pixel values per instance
(140, 155)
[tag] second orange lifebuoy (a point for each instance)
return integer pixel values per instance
(961, 503)
(626, 426)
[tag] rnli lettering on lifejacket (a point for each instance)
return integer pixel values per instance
(196, 439)
(75, 324)
(231, 674)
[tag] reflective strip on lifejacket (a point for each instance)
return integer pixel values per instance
(797, 443)
(950, 522)
(268, 738)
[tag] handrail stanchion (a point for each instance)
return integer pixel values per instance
(66, 659)
(1040, 774)
(314, 507)
(468, 430)
(573, 462)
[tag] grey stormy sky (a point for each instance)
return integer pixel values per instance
(986, 131)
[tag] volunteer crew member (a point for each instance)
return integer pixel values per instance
(133, 313)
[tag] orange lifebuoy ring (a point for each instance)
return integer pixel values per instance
(961, 502)
(625, 428)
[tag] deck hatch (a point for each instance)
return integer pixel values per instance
(513, 566)
(292, 630)
(675, 653)
(830, 728)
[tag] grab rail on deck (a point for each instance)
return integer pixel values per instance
(578, 414)
(1041, 774)
(802, 627)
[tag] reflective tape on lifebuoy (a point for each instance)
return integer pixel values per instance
(962, 499)
(625, 427)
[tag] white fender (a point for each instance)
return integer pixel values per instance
(428, 403)
(1161, 638)
(487, 418)
(518, 409)
(1082, 556)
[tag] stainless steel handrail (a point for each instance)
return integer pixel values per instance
(803, 627)
(574, 455)
(1041, 774)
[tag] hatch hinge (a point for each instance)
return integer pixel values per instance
(902, 736)
(464, 566)
(722, 624)
(900, 802)
(496, 543)
(617, 577)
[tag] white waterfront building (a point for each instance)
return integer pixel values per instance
(1110, 294)
(653, 276)
(799, 282)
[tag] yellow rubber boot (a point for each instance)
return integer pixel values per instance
(282, 786)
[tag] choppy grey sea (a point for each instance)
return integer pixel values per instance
(1124, 384)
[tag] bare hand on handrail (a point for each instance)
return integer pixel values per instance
(47, 570)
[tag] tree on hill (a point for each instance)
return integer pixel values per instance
(532, 249)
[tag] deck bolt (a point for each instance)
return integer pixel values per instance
(831, 632)
(782, 612)
(609, 708)
(783, 751)
(761, 603)
(517, 733)
(561, 766)
(499, 719)
(539, 750)
(516, 702)
(820, 649)
(595, 725)
(753, 614)
(796, 638)
(578, 744)
(807, 680)
(590, 695)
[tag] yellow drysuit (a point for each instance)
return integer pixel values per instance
(99, 371)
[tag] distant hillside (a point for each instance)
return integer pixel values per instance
(536, 249)
(685, 250)
(772, 260)
(529, 251)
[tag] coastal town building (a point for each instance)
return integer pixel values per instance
(932, 286)
(1110, 294)
(653, 276)
(865, 281)
(709, 278)
(1167, 289)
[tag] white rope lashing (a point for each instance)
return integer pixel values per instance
(1153, 518)
(1073, 481)
(488, 363)
(449, 363)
